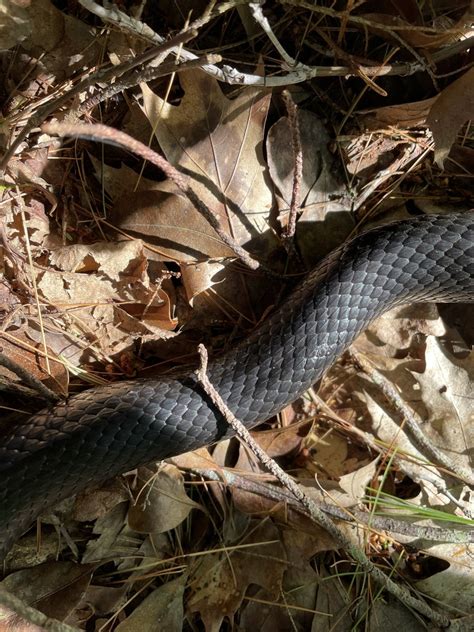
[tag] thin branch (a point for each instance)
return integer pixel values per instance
(298, 74)
(422, 442)
(295, 204)
(146, 74)
(103, 75)
(32, 615)
(318, 516)
(103, 133)
(390, 524)
(28, 378)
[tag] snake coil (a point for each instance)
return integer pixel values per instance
(106, 431)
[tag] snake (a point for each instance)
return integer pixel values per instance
(108, 430)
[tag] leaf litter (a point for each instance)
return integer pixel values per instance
(128, 275)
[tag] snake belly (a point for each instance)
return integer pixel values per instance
(108, 430)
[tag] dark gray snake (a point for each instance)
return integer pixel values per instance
(109, 430)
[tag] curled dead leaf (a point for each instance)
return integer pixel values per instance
(453, 107)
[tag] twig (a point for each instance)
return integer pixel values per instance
(102, 75)
(295, 204)
(148, 73)
(226, 74)
(103, 133)
(232, 76)
(257, 14)
(409, 466)
(113, 15)
(389, 524)
(28, 378)
(314, 511)
(358, 69)
(32, 615)
(421, 441)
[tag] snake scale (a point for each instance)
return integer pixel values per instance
(108, 430)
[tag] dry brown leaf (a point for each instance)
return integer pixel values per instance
(200, 275)
(36, 220)
(257, 504)
(300, 587)
(333, 606)
(277, 442)
(198, 459)
(440, 392)
(114, 260)
(47, 25)
(158, 213)
(367, 159)
(15, 24)
(453, 107)
(70, 289)
(66, 343)
(121, 181)
(219, 581)
(108, 528)
(219, 142)
(400, 329)
(170, 224)
(447, 387)
(161, 502)
(452, 586)
(314, 142)
(391, 616)
(99, 601)
(347, 492)
(329, 453)
(354, 485)
(55, 588)
(162, 609)
(109, 295)
(25, 553)
(29, 356)
(402, 116)
(460, 161)
(57, 37)
(122, 275)
(95, 503)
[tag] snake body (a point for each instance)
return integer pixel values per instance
(108, 430)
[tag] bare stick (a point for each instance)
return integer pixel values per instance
(423, 442)
(295, 203)
(102, 75)
(32, 615)
(28, 378)
(400, 592)
(388, 524)
(297, 74)
(103, 133)
(139, 75)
